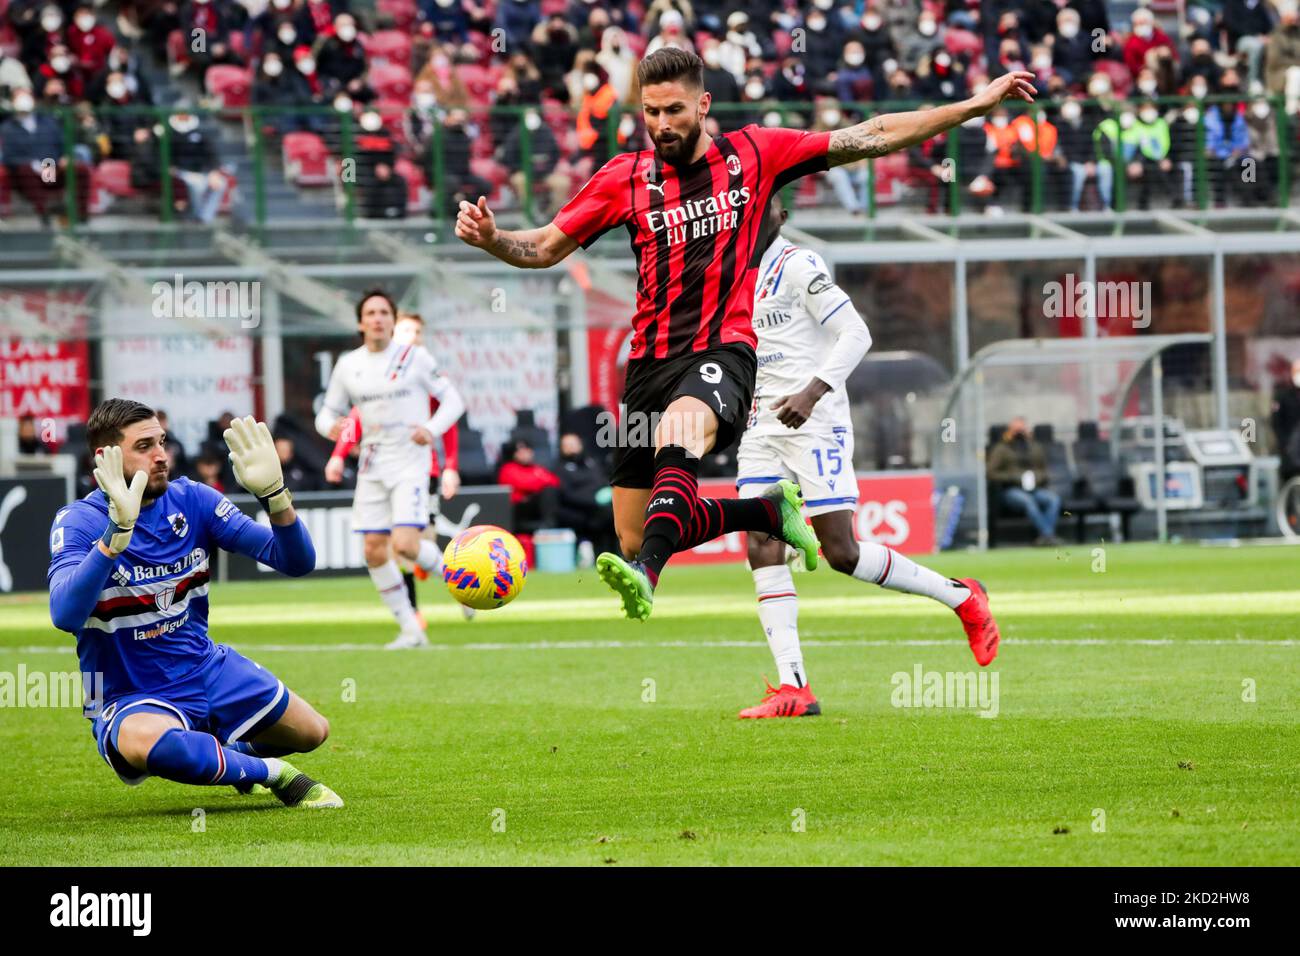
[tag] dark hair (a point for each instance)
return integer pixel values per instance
(670, 63)
(370, 294)
(104, 427)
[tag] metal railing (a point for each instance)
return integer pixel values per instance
(86, 142)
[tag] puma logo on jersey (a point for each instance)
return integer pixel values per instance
(721, 403)
(657, 187)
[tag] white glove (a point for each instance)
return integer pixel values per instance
(449, 483)
(123, 500)
(256, 464)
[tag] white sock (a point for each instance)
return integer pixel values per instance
(391, 587)
(430, 557)
(778, 611)
(273, 767)
(886, 567)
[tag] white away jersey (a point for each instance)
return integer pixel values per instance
(392, 389)
(794, 304)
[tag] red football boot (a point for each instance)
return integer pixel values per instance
(977, 619)
(419, 572)
(784, 701)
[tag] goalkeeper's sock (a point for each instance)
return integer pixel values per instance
(260, 750)
(388, 581)
(408, 579)
(188, 756)
(429, 558)
(778, 612)
(886, 567)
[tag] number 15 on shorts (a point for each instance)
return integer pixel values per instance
(833, 464)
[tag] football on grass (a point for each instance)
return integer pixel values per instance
(484, 567)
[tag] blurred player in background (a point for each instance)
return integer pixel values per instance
(693, 207)
(391, 385)
(444, 482)
(129, 576)
(810, 337)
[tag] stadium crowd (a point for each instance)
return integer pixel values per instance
(420, 76)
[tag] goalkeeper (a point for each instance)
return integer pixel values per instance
(129, 576)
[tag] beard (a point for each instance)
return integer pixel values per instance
(678, 150)
(156, 487)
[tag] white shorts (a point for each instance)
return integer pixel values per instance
(391, 501)
(820, 461)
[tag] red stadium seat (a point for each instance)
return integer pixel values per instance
(177, 52)
(480, 81)
(231, 86)
(306, 159)
(418, 194)
(391, 82)
(403, 12)
(961, 42)
(490, 170)
(1120, 78)
(238, 45)
(388, 47)
(109, 181)
(783, 42)
(5, 194)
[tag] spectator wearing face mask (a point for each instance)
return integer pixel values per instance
(790, 83)
(259, 31)
(122, 125)
(940, 78)
(854, 80)
(1011, 169)
(719, 82)
(877, 45)
(598, 100)
(1261, 126)
(284, 90)
(584, 496)
(1227, 140)
(1282, 64)
(618, 61)
(823, 41)
(1077, 155)
(35, 161)
(1247, 24)
(554, 46)
(1145, 36)
(89, 41)
(550, 179)
(440, 77)
(340, 58)
(918, 40)
(46, 29)
(194, 162)
(1005, 44)
(386, 196)
(1183, 147)
(214, 20)
(63, 69)
(1151, 170)
(13, 77)
(121, 62)
(848, 182)
(1072, 53)
(459, 181)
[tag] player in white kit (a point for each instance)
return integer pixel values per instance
(391, 383)
(810, 337)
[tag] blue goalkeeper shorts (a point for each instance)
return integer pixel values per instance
(228, 696)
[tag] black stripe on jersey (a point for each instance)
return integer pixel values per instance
(663, 252)
(685, 316)
(817, 164)
(727, 266)
(632, 221)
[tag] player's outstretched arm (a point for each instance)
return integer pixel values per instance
(892, 132)
(524, 248)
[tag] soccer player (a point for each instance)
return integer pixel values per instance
(408, 330)
(693, 208)
(810, 337)
(392, 384)
(129, 576)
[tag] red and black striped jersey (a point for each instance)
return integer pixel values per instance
(696, 231)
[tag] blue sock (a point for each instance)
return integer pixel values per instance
(188, 756)
(259, 750)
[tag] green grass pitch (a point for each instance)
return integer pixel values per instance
(552, 731)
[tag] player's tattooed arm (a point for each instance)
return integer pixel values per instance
(892, 132)
(525, 248)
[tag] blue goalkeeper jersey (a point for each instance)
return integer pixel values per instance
(141, 619)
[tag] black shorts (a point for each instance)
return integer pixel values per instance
(722, 378)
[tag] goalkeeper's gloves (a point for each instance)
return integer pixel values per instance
(123, 499)
(256, 464)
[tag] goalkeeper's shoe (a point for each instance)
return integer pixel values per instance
(794, 530)
(784, 701)
(629, 580)
(977, 619)
(296, 789)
